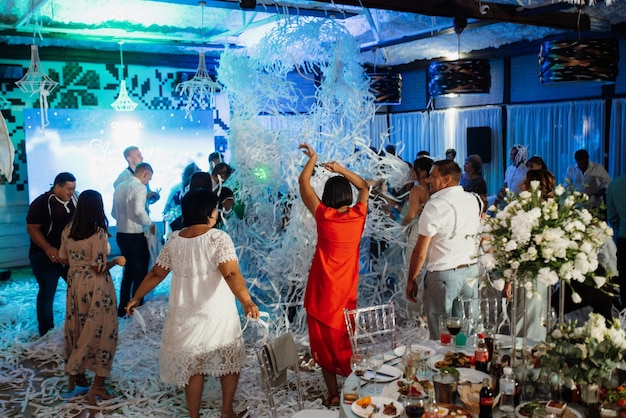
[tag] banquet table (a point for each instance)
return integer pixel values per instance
(394, 358)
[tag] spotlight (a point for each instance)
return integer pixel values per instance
(484, 9)
(247, 4)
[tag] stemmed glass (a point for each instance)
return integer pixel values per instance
(358, 363)
(375, 360)
(411, 361)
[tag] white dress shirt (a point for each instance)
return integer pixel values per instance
(592, 182)
(129, 207)
(451, 217)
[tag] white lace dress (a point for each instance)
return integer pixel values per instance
(202, 333)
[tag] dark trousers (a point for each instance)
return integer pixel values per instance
(135, 248)
(47, 275)
(621, 269)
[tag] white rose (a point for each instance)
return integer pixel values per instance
(559, 190)
(617, 336)
(600, 281)
(526, 194)
(576, 298)
(515, 265)
(556, 334)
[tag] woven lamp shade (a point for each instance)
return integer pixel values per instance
(386, 87)
(588, 60)
(459, 77)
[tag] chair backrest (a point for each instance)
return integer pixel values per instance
(278, 360)
(374, 326)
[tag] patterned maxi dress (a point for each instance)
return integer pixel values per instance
(202, 333)
(91, 306)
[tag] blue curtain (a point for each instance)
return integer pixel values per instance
(555, 131)
(617, 136)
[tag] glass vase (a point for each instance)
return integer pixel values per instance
(590, 398)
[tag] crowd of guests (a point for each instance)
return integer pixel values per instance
(441, 207)
(69, 239)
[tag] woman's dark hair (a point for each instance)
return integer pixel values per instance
(200, 180)
(337, 192)
(197, 206)
(89, 216)
(536, 160)
(547, 182)
(422, 164)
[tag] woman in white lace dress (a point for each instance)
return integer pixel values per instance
(202, 334)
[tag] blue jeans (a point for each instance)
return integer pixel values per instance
(442, 288)
(47, 275)
(135, 248)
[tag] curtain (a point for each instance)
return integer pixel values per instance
(379, 132)
(409, 132)
(555, 131)
(617, 134)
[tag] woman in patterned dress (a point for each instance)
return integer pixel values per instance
(91, 305)
(202, 333)
(334, 274)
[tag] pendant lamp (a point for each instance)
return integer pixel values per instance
(37, 81)
(461, 76)
(386, 87)
(201, 87)
(593, 60)
(123, 103)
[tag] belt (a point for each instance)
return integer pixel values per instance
(462, 266)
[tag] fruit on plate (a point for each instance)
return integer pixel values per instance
(364, 402)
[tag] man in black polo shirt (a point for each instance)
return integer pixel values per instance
(47, 216)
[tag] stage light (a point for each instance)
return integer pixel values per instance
(593, 60)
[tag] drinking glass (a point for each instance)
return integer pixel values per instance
(454, 324)
(375, 360)
(358, 363)
(414, 407)
(411, 361)
(444, 335)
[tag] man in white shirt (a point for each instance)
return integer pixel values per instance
(588, 177)
(129, 210)
(515, 174)
(448, 228)
(133, 156)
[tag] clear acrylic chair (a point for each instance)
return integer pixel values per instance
(278, 360)
(370, 327)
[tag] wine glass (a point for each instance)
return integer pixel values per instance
(358, 363)
(375, 360)
(410, 361)
(454, 324)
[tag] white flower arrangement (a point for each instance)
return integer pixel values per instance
(585, 353)
(537, 240)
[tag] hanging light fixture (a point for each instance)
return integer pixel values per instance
(581, 60)
(459, 76)
(386, 87)
(123, 103)
(37, 81)
(201, 87)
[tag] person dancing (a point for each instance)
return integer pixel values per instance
(202, 333)
(90, 337)
(334, 274)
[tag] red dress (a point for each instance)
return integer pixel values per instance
(332, 284)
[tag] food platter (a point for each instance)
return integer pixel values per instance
(435, 361)
(568, 413)
(379, 402)
(455, 411)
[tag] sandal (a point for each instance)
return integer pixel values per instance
(331, 401)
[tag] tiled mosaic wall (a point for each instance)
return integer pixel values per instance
(81, 86)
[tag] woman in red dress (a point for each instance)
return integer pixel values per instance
(334, 274)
